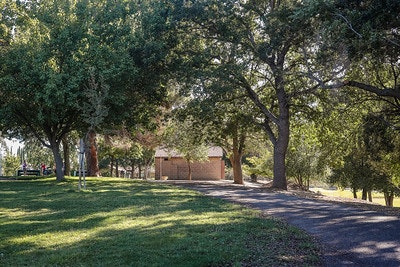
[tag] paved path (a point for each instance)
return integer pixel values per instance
(349, 236)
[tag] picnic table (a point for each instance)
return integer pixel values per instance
(28, 172)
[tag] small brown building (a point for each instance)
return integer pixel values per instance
(172, 166)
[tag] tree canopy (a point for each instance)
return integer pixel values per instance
(67, 46)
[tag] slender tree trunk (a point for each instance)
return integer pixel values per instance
(67, 152)
(299, 181)
(369, 195)
(389, 196)
(91, 154)
(133, 170)
(147, 168)
(354, 192)
(189, 171)
(364, 194)
(116, 168)
(112, 166)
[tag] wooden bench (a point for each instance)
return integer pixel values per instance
(29, 172)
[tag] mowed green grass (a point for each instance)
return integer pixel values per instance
(119, 222)
(376, 196)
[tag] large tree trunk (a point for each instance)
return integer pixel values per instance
(236, 155)
(279, 136)
(279, 180)
(236, 161)
(282, 140)
(55, 148)
(91, 154)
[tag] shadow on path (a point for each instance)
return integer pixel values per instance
(349, 236)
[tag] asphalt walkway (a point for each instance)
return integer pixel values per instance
(349, 236)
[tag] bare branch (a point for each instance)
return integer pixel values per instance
(349, 24)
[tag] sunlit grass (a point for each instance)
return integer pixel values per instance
(117, 222)
(376, 196)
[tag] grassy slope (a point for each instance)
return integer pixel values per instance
(120, 222)
(376, 197)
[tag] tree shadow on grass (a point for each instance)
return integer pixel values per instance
(130, 224)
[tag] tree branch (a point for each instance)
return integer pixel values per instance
(256, 100)
(349, 24)
(387, 92)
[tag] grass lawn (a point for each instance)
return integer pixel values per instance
(120, 222)
(376, 196)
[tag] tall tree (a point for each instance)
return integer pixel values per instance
(267, 41)
(41, 78)
(47, 69)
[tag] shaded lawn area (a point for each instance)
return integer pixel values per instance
(119, 222)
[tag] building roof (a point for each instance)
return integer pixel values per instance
(164, 153)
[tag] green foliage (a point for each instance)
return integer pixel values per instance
(377, 136)
(80, 64)
(11, 164)
(36, 154)
(260, 165)
(128, 223)
(303, 158)
(187, 139)
(357, 173)
(371, 163)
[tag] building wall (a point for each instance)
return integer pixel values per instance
(177, 169)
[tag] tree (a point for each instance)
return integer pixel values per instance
(37, 154)
(186, 139)
(266, 41)
(147, 140)
(304, 153)
(366, 34)
(94, 111)
(357, 173)
(259, 162)
(380, 141)
(370, 165)
(11, 164)
(47, 69)
(42, 77)
(227, 119)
